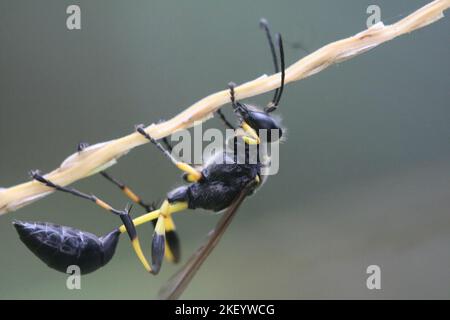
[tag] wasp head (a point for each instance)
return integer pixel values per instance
(261, 120)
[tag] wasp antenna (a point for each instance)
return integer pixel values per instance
(283, 73)
(264, 24)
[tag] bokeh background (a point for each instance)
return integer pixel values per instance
(365, 171)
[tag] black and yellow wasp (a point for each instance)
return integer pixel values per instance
(218, 185)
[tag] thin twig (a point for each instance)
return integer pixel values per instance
(81, 165)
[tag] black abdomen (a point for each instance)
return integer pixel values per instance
(61, 246)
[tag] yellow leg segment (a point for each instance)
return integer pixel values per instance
(166, 209)
(249, 140)
(143, 219)
(193, 174)
(130, 194)
(103, 204)
(164, 221)
(138, 250)
(254, 138)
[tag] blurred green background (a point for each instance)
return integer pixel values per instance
(365, 171)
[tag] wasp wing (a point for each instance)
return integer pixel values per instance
(180, 280)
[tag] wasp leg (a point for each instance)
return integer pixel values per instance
(128, 192)
(130, 228)
(167, 144)
(166, 209)
(172, 240)
(252, 137)
(172, 252)
(159, 237)
(125, 189)
(158, 244)
(38, 177)
(160, 240)
(193, 174)
(224, 120)
(165, 140)
(236, 105)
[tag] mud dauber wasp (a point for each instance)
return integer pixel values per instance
(219, 185)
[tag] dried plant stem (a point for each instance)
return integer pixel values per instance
(84, 164)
